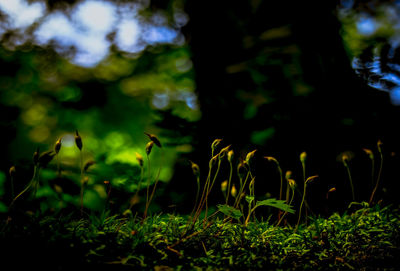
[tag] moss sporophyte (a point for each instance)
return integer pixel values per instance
(149, 146)
(236, 222)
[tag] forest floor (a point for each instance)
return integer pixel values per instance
(364, 239)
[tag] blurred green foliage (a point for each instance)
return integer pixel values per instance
(263, 78)
(111, 105)
(56, 97)
(364, 26)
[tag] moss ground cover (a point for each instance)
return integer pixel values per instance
(367, 239)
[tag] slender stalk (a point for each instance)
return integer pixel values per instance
(248, 215)
(351, 182)
(303, 158)
(197, 195)
(205, 191)
(287, 193)
(379, 176)
(290, 202)
(36, 186)
(272, 159)
(138, 188)
(32, 182)
(148, 181)
(309, 179)
(239, 197)
(301, 205)
(211, 186)
(269, 158)
(251, 209)
(281, 187)
(82, 182)
(156, 182)
(229, 181)
(345, 160)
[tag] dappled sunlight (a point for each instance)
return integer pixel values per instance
(128, 35)
(39, 134)
(68, 140)
(372, 36)
(160, 100)
(83, 32)
(95, 16)
(125, 155)
(21, 13)
(35, 114)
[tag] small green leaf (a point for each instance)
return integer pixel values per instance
(249, 199)
(280, 204)
(229, 211)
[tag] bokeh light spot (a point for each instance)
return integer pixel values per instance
(183, 64)
(395, 96)
(34, 115)
(366, 26)
(127, 155)
(160, 100)
(114, 140)
(68, 140)
(22, 13)
(84, 33)
(98, 16)
(39, 134)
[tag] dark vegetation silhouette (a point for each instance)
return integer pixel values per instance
(275, 77)
(284, 112)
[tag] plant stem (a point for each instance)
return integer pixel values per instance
(351, 182)
(301, 205)
(155, 183)
(378, 179)
(290, 202)
(36, 185)
(248, 215)
(82, 181)
(197, 195)
(239, 196)
(229, 182)
(211, 186)
(148, 181)
(287, 192)
(201, 202)
(32, 181)
(281, 187)
(138, 188)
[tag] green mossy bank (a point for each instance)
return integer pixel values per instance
(363, 239)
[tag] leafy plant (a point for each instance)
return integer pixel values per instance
(280, 204)
(230, 211)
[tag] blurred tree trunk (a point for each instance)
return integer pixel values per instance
(310, 95)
